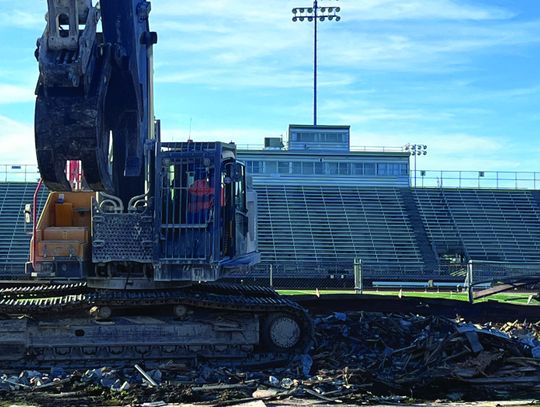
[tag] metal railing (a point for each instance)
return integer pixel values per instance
(419, 178)
(10, 271)
(19, 173)
(475, 179)
(479, 271)
(330, 275)
(371, 149)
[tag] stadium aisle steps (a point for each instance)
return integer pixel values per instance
(430, 258)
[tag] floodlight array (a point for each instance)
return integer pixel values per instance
(416, 149)
(316, 12)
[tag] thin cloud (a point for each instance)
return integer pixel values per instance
(255, 77)
(10, 94)
(247, 37)
(422, 10)
(16, 142)
(24, 18)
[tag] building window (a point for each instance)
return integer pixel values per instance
(332, 168)
(254, 167)
(404, 169)
(358, 169)
(297, 167)
(270, 167)
(306, 137)
(344, 169)
(369, 168)
(307, 168)
(397, 169)
(319, 168)
(332, 137)
(382, 169)
(283, 167)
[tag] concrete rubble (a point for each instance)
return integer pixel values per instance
(358, 358)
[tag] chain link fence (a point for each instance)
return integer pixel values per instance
(354, 274)
(490, 272)
(12, 271)
(358, 274)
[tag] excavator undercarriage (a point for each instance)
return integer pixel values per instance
(76, 326)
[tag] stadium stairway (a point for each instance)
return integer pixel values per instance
(536, 197)
(14, 232)
(425, 247)
(439, 224)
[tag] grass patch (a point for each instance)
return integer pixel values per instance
(518, 298)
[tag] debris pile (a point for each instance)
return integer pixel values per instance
(428, 356)
(357, 357)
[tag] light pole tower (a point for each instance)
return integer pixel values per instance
(312, 14)
(416, 150)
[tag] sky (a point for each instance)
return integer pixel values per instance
(461, 76)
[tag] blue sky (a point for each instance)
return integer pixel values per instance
(461, 76)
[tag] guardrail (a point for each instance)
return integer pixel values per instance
(418, 178)
(368, 149)
(475, 179)
(19, 173)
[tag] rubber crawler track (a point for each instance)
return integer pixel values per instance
(69, 300)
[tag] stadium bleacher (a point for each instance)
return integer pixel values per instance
(310, 225)
(396, 232)
(489, 225)
(309, 232)
(14, 232)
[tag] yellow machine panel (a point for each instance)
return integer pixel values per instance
(63, 230)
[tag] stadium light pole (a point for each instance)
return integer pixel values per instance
(312, 14)
(416, 150)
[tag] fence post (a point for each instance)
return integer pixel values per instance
(358, 286)
(469, 281)
(271, 275)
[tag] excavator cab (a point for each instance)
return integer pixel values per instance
(202, 221)
(195, 223)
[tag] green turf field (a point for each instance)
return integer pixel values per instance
(520, 298)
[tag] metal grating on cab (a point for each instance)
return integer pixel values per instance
(122, 236)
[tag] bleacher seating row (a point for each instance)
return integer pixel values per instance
(317, 231)
(305, 226)
(14, 232)
(487, 225)
(396, 232)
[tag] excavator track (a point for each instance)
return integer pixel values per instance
(42, 290)
(141, 325)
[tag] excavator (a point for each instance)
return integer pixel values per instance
(128, 261)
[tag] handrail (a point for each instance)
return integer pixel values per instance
(477, 179)
(353, 149)
(34, 220)
(425, 178)
(19, 173)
